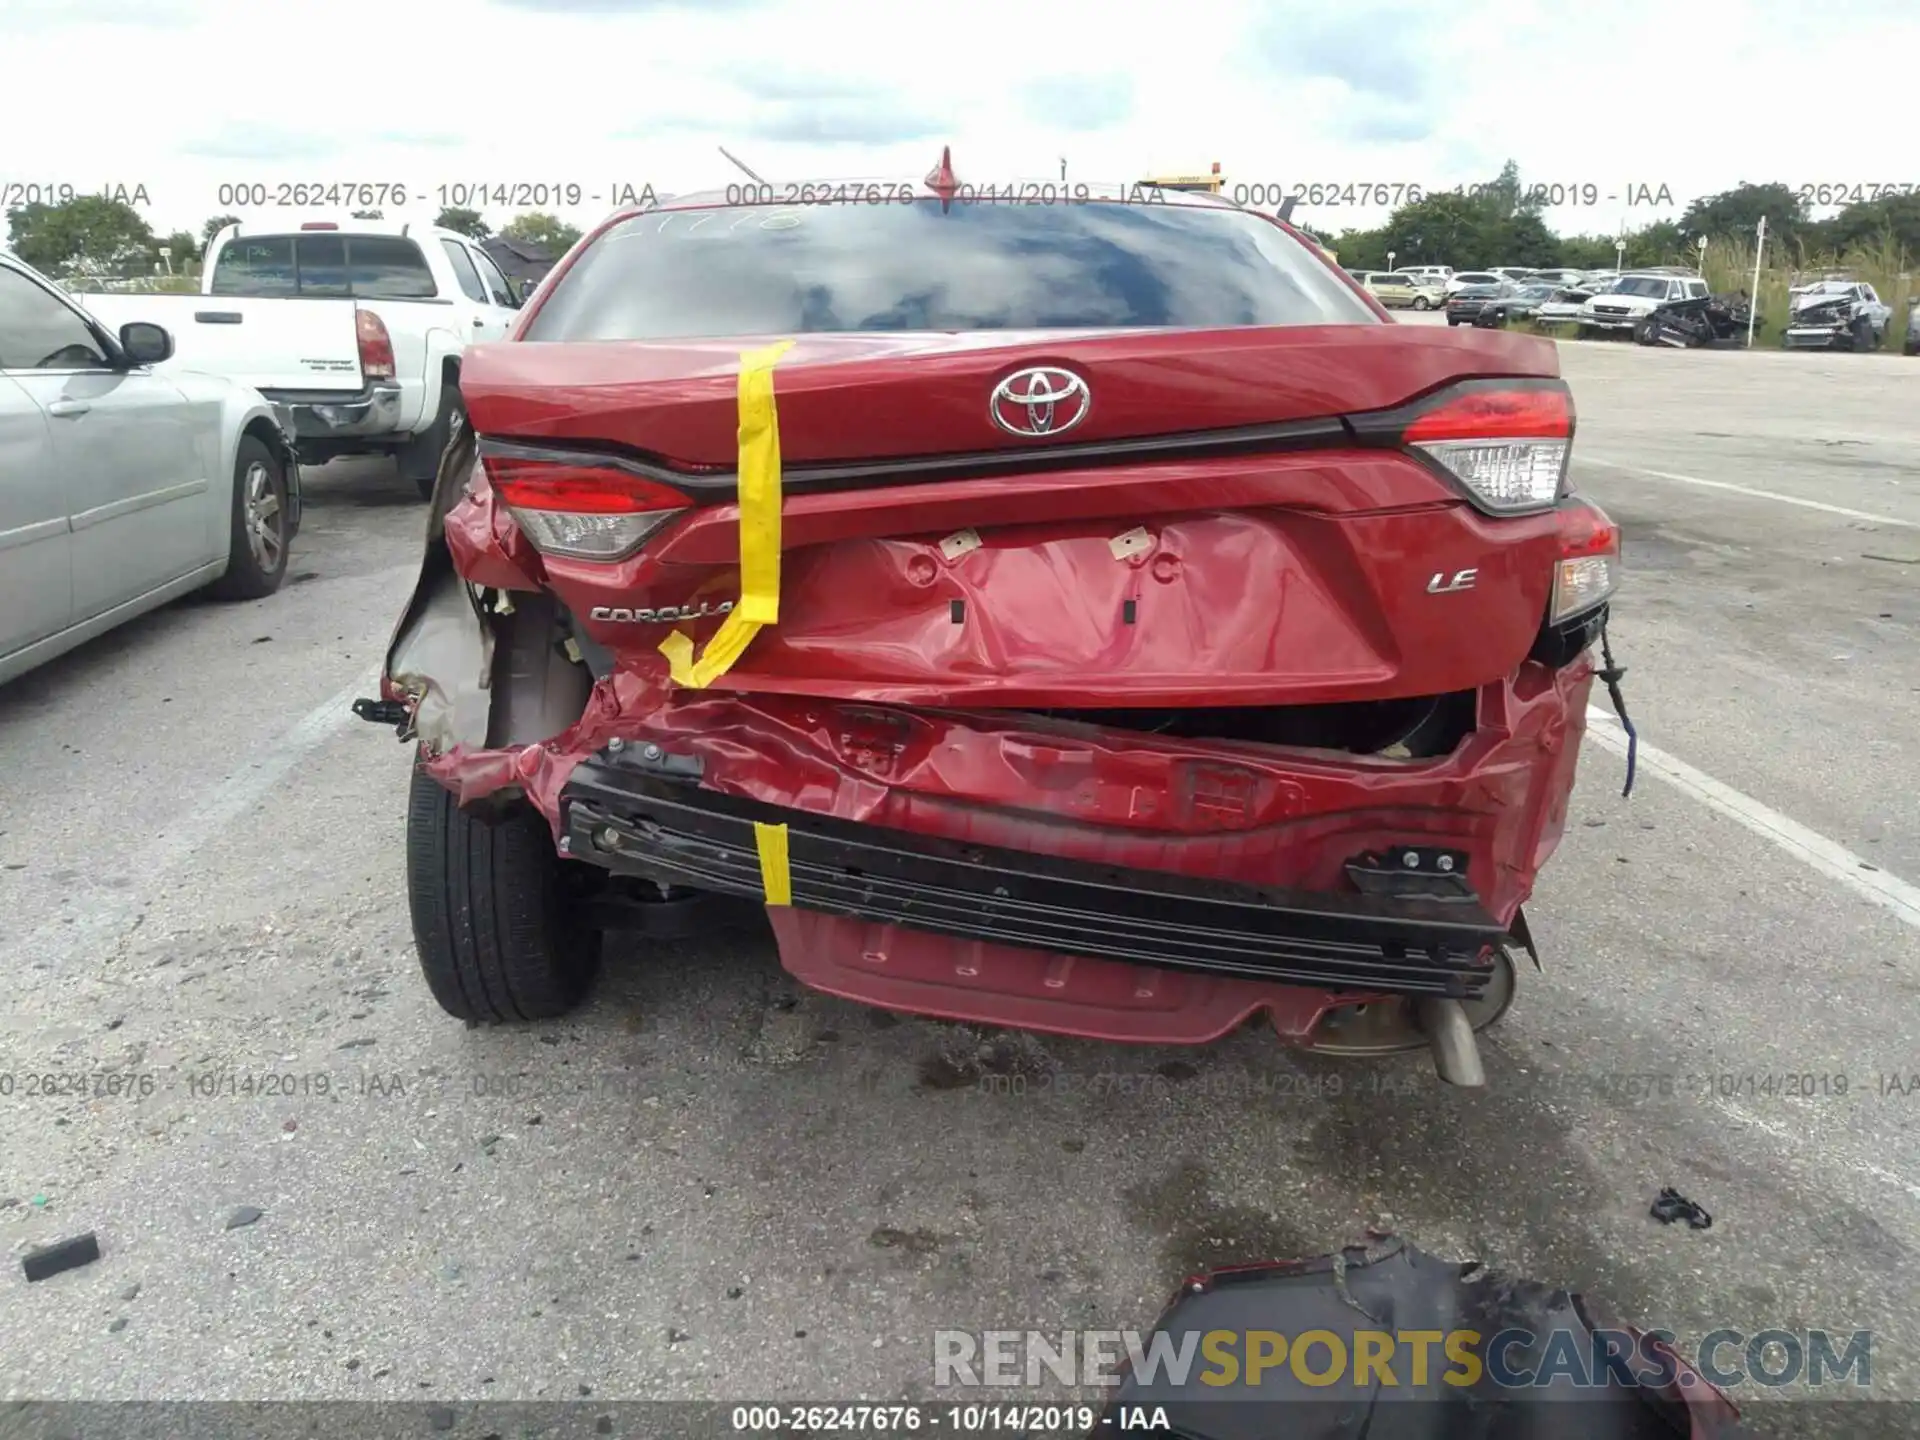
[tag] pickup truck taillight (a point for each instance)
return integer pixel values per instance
(581, 511)
(376, 346)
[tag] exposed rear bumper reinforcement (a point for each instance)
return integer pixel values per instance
(672, 830)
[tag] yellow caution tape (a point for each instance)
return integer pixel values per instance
(775, 878)
(759, 534)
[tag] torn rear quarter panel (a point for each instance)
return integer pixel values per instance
(440, 656)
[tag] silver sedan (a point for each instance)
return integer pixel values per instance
(120, 488)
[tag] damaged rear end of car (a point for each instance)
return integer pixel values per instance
(1091, 618)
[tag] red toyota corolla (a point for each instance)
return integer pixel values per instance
(1083, 612)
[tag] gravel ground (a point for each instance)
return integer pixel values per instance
(712, 1185)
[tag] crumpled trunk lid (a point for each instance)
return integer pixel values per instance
(1213, 532)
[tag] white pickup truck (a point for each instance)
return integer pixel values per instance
(1635, 296)
(355, 330)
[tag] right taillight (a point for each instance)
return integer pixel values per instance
(376, 345)
(581, 510)
(1588, 568)
(1506, 443)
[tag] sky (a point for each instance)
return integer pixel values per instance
(1638, 105)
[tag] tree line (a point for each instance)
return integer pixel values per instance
(111, 236)
(1496, 224)
(1501, 224)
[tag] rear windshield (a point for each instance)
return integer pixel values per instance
(319, 263)
(763, 270)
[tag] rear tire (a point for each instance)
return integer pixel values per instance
(257, 547)
(420, 458)
(493, 924)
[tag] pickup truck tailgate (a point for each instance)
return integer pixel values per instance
(271, 344)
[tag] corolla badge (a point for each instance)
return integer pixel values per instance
(1043, 400)
(661, 615)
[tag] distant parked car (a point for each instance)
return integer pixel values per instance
(1524, 302)
(1459, 282)
(1636, 296)
(1564, 306)
(1912, 347)
(1838, 314)
(122, 488)
(1397, 292)
(1465, 304)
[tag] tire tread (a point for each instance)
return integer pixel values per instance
(490, 925)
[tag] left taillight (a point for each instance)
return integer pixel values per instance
(579, 510)
(376, 345)
(1507, 443)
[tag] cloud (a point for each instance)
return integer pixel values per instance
(420, 139)
(1079, 102)
(877, 120)
(625, 7)
(673, 122)
(800, 86)
(1378, 123)
(786, 106)
(29, 16)
(1381, 51)
(247, 140)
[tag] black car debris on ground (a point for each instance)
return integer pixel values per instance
(1704, 320)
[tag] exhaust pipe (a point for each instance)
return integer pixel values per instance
(1456, 1054)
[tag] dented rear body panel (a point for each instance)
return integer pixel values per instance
(1212, 666)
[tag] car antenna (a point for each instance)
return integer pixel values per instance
(740, 165)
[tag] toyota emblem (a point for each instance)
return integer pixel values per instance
(1040, 401)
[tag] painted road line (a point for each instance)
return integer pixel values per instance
(109, 914)
(1812, 849)
(1751, 492)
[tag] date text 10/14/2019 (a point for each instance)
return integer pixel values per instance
(1390, 194)
(452, 195)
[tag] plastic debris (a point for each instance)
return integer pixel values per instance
(62, 1255)
(1672, 1206)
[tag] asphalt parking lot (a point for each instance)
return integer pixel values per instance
(711, 1184)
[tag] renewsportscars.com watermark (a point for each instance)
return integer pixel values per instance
(1391, 1359)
